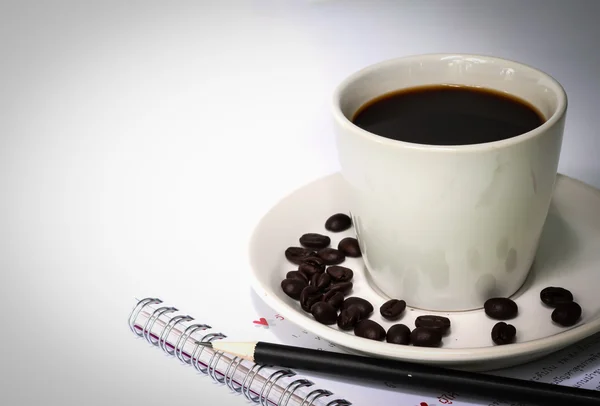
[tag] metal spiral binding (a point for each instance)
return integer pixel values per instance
(291, 388)
(136, 312)
(162, 341)
(152, 319)
(259, 396)
(339, 402)
(256, 368)
(196, 355)
(275, 376)
(316, 394)
(237, 361)
(212, 367)
(183, 339)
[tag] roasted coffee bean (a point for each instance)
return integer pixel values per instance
(324, 313)
(553, 296)
(365, 307)
(331, 256)
(344, 287)
(334, 298)
(308, 297)
(320, 281)
(312, 265)
(501, 308)
(426, 337)
(314, 279)
(314, 240)
(566, 314)
(297, 275)
(398, 334)
(369, 329)
(348, 318)
(392, 309)
(503, 333)
(298, 254)
(340, 273)
(338, 222)
(293, 287)
(349, 247)
(440, 323)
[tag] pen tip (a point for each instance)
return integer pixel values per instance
(204, 343)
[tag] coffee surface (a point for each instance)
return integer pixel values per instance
(447, 115)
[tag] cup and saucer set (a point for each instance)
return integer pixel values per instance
(446, 227)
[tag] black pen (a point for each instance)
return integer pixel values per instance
(411, 374)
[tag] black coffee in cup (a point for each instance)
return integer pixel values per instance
(448, 115)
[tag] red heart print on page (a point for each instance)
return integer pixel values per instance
(266, 323)
(261, 322)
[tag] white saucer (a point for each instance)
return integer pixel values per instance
(569, 256)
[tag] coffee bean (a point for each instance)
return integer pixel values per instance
(503, 333)
(392, 309)
(308, 297)
(324, 313)
(426, 337)
(566, 314)
(334, 298)
(398, 334)
(293, 287)
(338, 222)
(365, 307)
(340, 273)
(298, 254)
(312, 265)
(349, 247)
(369, 329)
(344, 287)
(314, 240)
(440, 323)
(553, 296)
(348, 318)
(331, 256)
(501, 308)
(297, 275)
(320, 281)
(314, 279)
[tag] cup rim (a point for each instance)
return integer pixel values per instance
(494, 145)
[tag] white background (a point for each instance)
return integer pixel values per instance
(141, 141)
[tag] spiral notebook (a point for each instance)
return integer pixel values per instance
(178, 336)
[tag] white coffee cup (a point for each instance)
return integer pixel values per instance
(447, 227)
